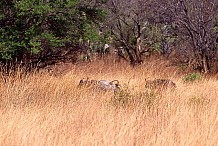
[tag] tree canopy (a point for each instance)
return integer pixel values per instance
(36, 27)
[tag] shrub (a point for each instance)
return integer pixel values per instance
(192, 77)
(123, 98)
(126, 98)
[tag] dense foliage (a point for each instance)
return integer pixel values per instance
(35, 28)
(34, 31)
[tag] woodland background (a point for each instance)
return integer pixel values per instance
(39, 33)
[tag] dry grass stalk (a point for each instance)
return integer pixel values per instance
(40, 109)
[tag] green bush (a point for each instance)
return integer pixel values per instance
(192, 77)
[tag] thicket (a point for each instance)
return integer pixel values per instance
(42, 32)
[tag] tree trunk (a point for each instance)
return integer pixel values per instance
(130, 56)
(138, 50)
(205, 63)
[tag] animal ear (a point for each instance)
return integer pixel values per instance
(83, 79)
(117, 85)
(112, 82)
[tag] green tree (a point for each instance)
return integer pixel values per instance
(35, 28)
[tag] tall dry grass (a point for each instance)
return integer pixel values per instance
(44, 109)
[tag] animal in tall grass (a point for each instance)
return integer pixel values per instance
(87, 83)
(160, 84)
(102, 85)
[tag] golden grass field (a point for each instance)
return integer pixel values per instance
(48, 109)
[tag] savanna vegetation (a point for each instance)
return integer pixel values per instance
(49, 109)
(47, 47)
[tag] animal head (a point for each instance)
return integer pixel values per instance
(85, 82)
(115, 85)
(114, 82)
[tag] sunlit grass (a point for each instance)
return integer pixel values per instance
(49, 109)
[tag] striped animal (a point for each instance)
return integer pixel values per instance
(103, 85)
(159, 84)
